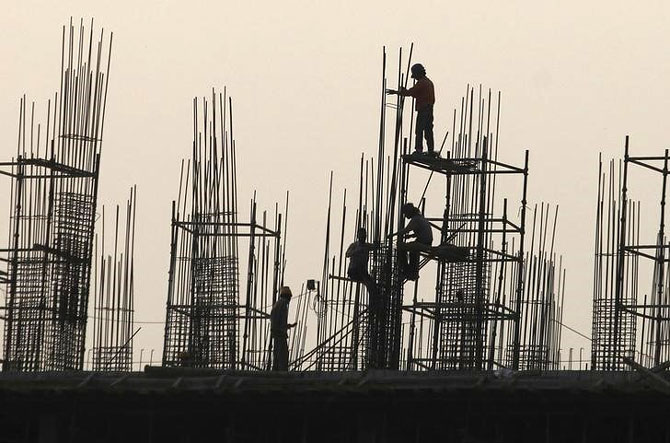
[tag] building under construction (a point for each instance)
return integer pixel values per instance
(470, 351)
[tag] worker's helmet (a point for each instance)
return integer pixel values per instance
(418, 70)
(362, 232)
(408, 209)
(285, 291)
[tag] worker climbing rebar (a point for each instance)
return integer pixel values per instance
(279, 327)
(359, 253)
(419, 228)
(423, 92)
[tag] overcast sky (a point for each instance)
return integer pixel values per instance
(575, 76)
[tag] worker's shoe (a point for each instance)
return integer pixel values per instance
(433, 154)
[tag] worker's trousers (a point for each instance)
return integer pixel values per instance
(279, 353)
(411, 267)
(424, 128)
(362, 276)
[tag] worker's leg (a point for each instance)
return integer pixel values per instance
(414, 264)
(402, 259)
(354, 274)
(362, 276)
(419, 130)
(370, 284)
(281, 354)
(413, 249)
(275, 353)
(428, 129)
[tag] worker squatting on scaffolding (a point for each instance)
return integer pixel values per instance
(279, 327)
(359, 253)
(419, 228)
(423, 92)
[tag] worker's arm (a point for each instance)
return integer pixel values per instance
(350, 250)
(411, 92)
(409, 228)
(291, 325)
(401, 232)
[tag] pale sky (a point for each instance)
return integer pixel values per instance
(575, 76)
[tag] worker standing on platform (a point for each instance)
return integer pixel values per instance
(279, 327)
(423, 92)
(419, 228)
(359, 254)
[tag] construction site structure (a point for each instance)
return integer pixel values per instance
(631, 330)
(495, 304)
(467, 352)
(208, 323)
(54, 191)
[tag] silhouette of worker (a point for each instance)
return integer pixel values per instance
(279, 327)
(423, 92)
(419, 228)
(359, 254)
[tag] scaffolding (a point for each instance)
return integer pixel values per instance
(481, 315)
(53, 199)
(478, 300)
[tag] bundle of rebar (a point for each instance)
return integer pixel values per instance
(544, 293)
(113, 305)
(357, 331)
(607, 234)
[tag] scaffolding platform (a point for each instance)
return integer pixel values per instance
(462, 311)
(460, 166)
(444, 252)
(439, 164)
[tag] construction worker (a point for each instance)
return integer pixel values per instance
(359, 254)
(419, 228)
(279, 327)
(184, 359)
(423, 92)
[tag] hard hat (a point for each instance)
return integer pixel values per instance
(418, 69)
(285, 291)
(409, 208)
